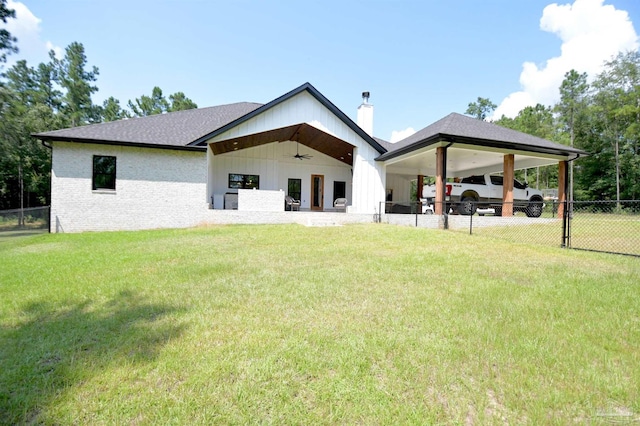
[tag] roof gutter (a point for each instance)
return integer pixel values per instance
(118, 143)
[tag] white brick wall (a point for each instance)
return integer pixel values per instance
(155, 188)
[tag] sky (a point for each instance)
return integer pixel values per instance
(420, 59)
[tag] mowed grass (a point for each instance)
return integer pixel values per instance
(590, 231)
(367, 324)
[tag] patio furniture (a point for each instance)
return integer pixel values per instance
(340, 204)
(427, 207)
(291, 203)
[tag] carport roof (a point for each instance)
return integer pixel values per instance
(457, 128)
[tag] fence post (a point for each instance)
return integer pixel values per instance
(471, 220)
(564, 224)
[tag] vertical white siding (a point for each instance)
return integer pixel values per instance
(365, 185)
(274, 164)
(401, 186)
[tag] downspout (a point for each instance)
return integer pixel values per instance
(44, 143)
(444, 185)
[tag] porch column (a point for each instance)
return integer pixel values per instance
(507, 185)
(440, 180)
(562, 187)
(419, 187)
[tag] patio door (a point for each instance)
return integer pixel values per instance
(317, 192)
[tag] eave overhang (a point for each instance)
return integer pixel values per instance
(442, 138)
(119, 143)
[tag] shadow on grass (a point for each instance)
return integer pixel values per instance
(12, 235)
(56, 346)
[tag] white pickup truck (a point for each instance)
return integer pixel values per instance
(485, 192)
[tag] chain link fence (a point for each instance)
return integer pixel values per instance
(18, 222)
(606, 226)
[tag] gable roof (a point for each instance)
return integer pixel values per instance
(191, 129)
(175, 130)
(463, 129)
(313, 92)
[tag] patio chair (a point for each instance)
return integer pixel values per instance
(291, 203)
(340, 204)
(427, 208)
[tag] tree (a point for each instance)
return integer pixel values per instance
(179, 102)
(7, 41)
(72, 76)
(150, 105)
(111, 110)
(26, 106)
(614, 133)
(571, 109)
(158, 104)
(481, 108)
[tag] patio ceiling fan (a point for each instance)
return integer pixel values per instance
(301, 156)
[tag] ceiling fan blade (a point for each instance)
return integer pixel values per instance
(301, 156)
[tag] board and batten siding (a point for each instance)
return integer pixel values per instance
(274, 164)
(401, 187)
(365, 184)
(155, 188)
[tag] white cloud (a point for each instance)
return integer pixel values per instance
(57, 50)
(26, 28)
(591, 34)
(398, 135)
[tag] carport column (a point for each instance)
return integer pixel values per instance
(562, 187)
(507, 185)
(440, 179)
(419, 186)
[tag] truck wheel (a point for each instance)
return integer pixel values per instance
(534, 209)
(467, 206)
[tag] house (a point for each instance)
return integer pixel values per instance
(235, 163)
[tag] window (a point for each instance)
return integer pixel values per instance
(497, 180)
(244, 181)
(519, 185)
(477, 180)
(104, 172)
(294, 188)
(339, 190)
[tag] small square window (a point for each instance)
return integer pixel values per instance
(104, 172)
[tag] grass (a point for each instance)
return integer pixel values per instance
(370, 324)
(615, 233)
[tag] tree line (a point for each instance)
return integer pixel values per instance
(50, 96)
(601, 118)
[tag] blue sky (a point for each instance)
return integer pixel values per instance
(420, 60)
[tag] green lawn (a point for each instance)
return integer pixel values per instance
(367, 324)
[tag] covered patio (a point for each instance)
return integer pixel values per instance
(299, 162)
(458, 146)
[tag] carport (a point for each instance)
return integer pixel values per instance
(458, 145)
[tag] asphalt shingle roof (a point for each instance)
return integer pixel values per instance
(171, 129)
(180, 129)
(461, 128)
